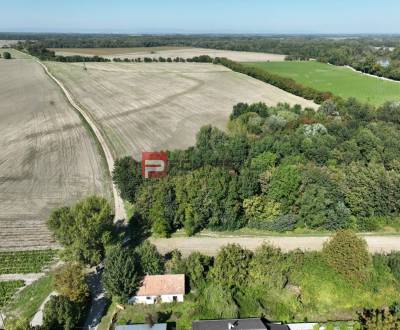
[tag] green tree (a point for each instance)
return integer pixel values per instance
(70, 281)
(348, 255)
(61, 313)
(269, 267)
(127, 176)
(6, 55)
(261, 212)
(231, 266)
(84, 229)
(151, 261)
(197, 266)
(122, 276)
(283, 186)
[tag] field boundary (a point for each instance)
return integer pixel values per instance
(119, 209)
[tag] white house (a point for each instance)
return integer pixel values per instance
(160, 288)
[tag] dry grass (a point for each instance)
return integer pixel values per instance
(160, 106)
(47, 157)
(156, 52)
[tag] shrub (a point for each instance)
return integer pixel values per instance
(348, 255)
(394, 264)
(61, 313)
(6, 55)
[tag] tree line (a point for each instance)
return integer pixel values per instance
(279, 169)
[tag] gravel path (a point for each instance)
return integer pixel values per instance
(120, 213)
(211, 245)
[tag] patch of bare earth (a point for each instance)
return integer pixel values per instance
(158, 106)
(183, 52)
(47, 157)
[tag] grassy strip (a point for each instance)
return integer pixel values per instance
(287, 84)
(7, 291)
(22, 262)
(28, 301)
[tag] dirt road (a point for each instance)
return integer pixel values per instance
(119, 209)
(211, 245)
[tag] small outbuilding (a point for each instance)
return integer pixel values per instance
(160, 288)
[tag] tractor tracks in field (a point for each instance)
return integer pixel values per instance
(119, 210)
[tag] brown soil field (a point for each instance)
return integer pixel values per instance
(158, 106)
(111, 51)
(48, 159)
(156, 52)
(211, 245)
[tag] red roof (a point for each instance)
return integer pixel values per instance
(157, 285)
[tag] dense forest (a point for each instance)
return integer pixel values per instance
(279, 169)
(364, 53)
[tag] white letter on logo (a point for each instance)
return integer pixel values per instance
(153, 165)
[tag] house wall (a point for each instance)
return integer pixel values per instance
(153, 299)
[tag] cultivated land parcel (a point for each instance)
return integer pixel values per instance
(47, 160)
(156, 52)
(158, 106)
(341, 81)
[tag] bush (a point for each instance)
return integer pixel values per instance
(70, 281)
(348, 255)
(394, 264)
(61, 313)
(6, 55)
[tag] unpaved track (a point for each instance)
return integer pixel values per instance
(119, 209)
(47, 158)
(211, 245)
(158, 106)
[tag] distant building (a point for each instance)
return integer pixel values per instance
(248, 324)
(161, 326)
(160, 288)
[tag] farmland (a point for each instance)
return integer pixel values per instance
(161, 106)
(341, 81)
(23, 262)
(48, 159)
(156, 52)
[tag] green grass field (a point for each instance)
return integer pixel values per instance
(340, 81)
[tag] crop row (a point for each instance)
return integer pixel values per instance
(22, 262)
(7, 291)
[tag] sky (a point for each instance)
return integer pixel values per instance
(201, 16)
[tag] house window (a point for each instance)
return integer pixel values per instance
(174, 298)
(148, 298)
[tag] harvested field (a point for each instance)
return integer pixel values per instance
(158, 106)
(8, 43)
(156, 52)
(48, 158)
(15, 54)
